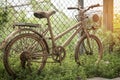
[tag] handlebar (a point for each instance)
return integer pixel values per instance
(73, 8)
(96, 5)
(90, 7)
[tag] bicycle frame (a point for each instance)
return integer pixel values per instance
(30, 47)
(78, 27)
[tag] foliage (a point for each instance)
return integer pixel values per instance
(42, 5)
(6, 22)
(3, 20)
(109, 67)
(116, 21)
(3, 16)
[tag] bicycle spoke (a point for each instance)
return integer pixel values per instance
(24, 51)
(95, 52)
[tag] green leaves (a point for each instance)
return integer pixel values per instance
(109, 67)
(3, 16)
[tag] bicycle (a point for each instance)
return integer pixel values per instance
(29, 47)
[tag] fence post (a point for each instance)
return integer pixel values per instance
(108, 14)
(81, 3)
(108, 20)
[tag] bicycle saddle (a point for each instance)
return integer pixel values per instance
(43, 14)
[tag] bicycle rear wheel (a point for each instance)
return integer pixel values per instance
(25, 53)
(88, 50)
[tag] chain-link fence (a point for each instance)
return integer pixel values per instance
(12, 11)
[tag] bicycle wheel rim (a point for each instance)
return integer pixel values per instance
(12, 60)
(82, 56)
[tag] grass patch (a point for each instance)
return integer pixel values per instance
(109, 67)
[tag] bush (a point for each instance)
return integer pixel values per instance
(109, 67)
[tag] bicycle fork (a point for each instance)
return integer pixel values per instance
(88, 42)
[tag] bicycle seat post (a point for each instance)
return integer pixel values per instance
(46, 14)
(51, 33)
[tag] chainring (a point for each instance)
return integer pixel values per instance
(59, 54)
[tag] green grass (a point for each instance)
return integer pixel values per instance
(109, 67)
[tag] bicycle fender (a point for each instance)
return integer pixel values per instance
(17, 31)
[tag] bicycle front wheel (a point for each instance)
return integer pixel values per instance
(25, 53)
(88, 49)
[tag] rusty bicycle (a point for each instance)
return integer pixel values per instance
(30, 50)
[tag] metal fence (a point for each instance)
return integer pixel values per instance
(22, 11)
(13, 11)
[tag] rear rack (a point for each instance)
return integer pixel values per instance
(26, 25)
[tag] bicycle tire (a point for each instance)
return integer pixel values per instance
(15, 51)
(81, 55)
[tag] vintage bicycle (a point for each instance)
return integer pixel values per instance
(25, 48)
